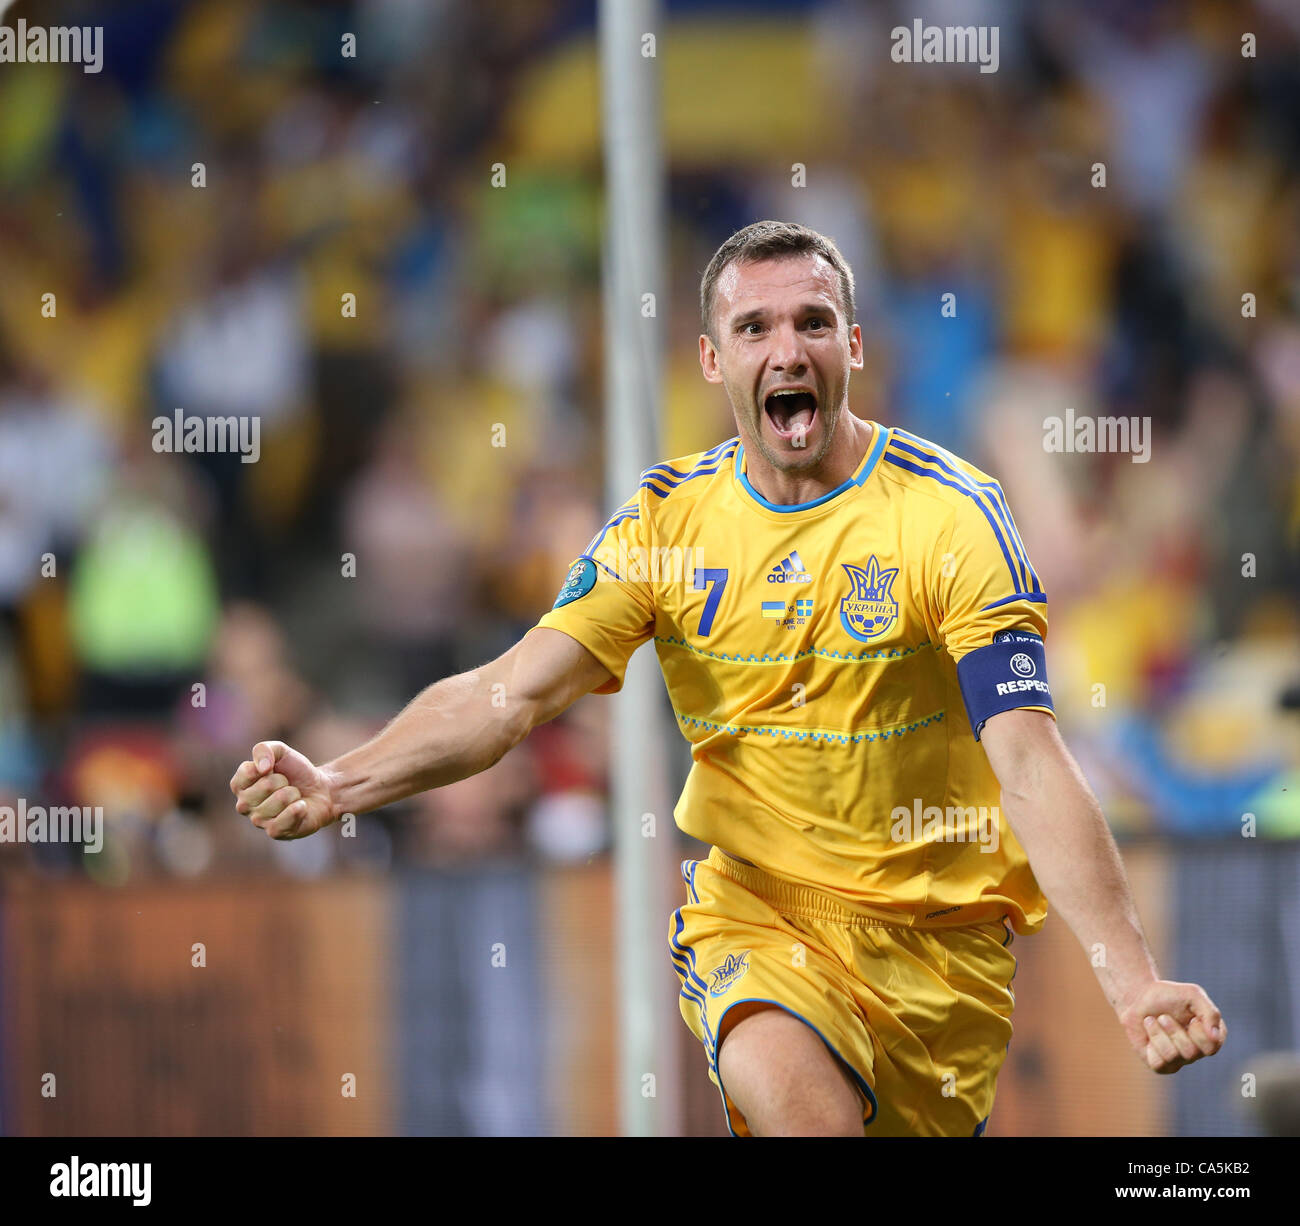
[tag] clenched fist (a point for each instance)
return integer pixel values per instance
(1173, 1024)
(282, 792)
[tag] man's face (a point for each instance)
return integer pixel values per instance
(784, 352)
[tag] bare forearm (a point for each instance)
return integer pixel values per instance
(449, 731)
(1059, 823)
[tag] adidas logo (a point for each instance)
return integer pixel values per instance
(790, 570)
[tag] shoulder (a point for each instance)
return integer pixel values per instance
(686, 476)
(977, 511)
(927, 468)
(669, 484)
(967, 498)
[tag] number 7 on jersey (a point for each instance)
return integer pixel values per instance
(718, 579)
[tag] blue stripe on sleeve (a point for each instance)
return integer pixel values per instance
(990, 491)
(1034, 597)
(617, 518)
(995, 491)
(703, 470)
(707, 458)
(898, 462)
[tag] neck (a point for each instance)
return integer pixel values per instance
(849, 446)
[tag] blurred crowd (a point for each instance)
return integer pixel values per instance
(392, 261)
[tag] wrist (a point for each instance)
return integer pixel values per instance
(1124, 992)
(332, 781)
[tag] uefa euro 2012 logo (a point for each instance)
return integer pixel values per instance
(869, 610)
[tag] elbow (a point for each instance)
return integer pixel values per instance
(1016, 799)
(520, 719)
(1021, 780)
(485, 751)
(1024, 750)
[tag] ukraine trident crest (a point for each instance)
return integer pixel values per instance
(869, 610)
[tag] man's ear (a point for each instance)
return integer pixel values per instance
(855, 348)
(709, 360)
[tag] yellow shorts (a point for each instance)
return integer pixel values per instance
(921, 1017)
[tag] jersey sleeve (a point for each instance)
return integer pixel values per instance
(606, 603)
(991, 610)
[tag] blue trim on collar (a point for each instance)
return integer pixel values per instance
(868, 467)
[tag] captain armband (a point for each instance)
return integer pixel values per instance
(1010, 672)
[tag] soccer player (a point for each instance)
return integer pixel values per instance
(851, 633)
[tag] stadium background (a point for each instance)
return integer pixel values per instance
(478, 307)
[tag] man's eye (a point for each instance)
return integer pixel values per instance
(746, 329)
(816, 323)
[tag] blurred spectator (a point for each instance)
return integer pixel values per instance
(143, 600)
(420, 342)
(413, 565)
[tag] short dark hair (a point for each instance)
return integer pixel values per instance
(765, 240)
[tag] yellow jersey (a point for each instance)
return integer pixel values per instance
(831, 664)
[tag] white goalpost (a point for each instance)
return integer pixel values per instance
(640, 801)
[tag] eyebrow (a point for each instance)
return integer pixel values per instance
(804, 308)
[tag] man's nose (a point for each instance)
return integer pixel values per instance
(788, 352)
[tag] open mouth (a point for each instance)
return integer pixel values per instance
(791, 411)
